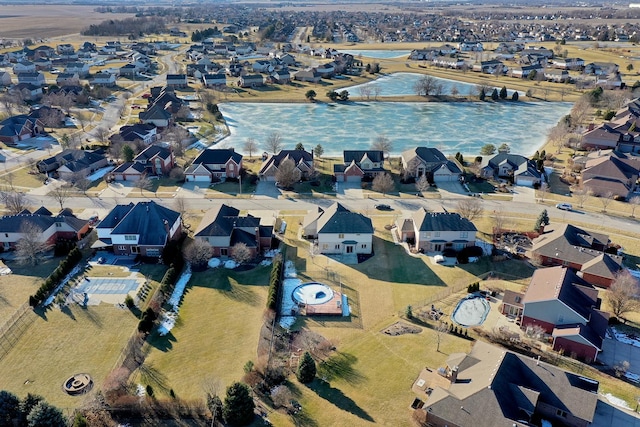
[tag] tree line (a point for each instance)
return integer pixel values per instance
(119, 27)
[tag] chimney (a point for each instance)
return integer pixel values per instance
(257, 230)
(166, 227)
(454, 375)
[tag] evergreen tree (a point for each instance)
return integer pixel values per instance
(306, 369)
(238, 405)
(494, 95)
(45, 415)
(9, 407)
(127, 153)
(503, 92)
(318, 151)
(482, 95)
(515, 96)
(543, 219)
(299, 146)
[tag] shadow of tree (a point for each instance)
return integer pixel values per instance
(233, 290)
(303, 419)
(91, 316)
(163, 343)
(66, 310)
(340, 366)
(339, 399)
(150, 375)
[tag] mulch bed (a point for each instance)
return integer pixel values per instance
(401, 328)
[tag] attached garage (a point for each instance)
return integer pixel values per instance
(526, 181)
(352, 178)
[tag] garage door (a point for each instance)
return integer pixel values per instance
(352, 178)
(199, 178)
(444, 178)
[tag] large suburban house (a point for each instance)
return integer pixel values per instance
(337, 230)
(141, 229)
(146, 133)
(50, 227)
(18, 128)
(616, 173)
(436, 231)
(358, 164)
(215, 165)
(431, 162)
(567, 308)
(523, 171)
(621, 133)
(223, 228)
(155, 160)
(301, 158)
(493, 387)
(586, 252)
(70, 164)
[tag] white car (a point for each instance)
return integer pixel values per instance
(564, 206)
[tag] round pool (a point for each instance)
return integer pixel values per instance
(312, 293)
(471, 311)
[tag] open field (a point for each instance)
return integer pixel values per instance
(25, 280)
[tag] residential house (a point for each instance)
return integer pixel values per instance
(214, 80)
(70, 164)
(5, 78)
(282, 76)
(436, 231)
(489, 67)
(519, 169)
(24, 67)
(128, 70)
(431, 162)
(308, 75)
(43, 64)
(215, 165)
(155, 160)
(18, 128)
(568, 63)
(28, 91)
(327, 70)
(301, 158)
(337, 230)
(52, 227)
(251, 80)
(147, 133)
(36, 79)
(358, 164)
(104, 78)
(492, 387)
(616, 174)
(262, 66)
(177, 80)
(610, 81)
(81, 68)
(448, 62)
(470, 47)
(223, 228)
(587, 252)
(65, 79)
(512, 304)
(157, 116)
(524, 71)
(600, 68)
(141, 229)
(557, 75)
(566, 307)
(622, 133)
(65, 49)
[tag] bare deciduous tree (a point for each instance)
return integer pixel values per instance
(470, 208)
(60, 194)
(582, 195)
(31, 247)
(143, 183)
(634, 202)
(14, 201)
(281, 396)
(250, 145)
(499, 220)
(273, 142)
(240, 253)
(425, 86)
(544, 187)
(81, 182)
(605, 200)
(198, 252)
(382, 143)
(287, 173)
(383, 183)
(440, 329)
(101, 134)
(180, 205)
(580, 110)
(422, 184)
(623, 294)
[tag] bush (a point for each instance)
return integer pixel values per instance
(128, 301)
(613, 321)
(474, 287)
(408, 312)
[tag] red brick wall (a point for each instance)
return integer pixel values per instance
(597, 280)
(581, 350)
(526, 321)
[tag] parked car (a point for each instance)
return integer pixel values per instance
(383, 207)
(564, 206)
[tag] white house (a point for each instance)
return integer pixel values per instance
(436, 231)
(337, 230)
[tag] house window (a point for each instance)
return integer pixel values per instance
(341, 236)
(122, 247)
(337, 247)
(561, 413)
(129, 237)
(135, 250)
(436, 234)
(363, 246)
(224, 251)
(230, 166)
(153, 252)
(6, 234)
(464, 234)
(58, 224)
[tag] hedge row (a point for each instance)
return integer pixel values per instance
(168, 280)
(65, 266)
(275, 283)
(146, 323)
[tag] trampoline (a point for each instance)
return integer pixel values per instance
(471, 311)
(312, 293)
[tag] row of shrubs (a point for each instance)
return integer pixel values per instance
(474, 287)
(275, 283)
(65, 266)
(146, 322)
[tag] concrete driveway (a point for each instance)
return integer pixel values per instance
(614, 351)
(451, 187)
(523, 194)
(349, 190)
(267, 190)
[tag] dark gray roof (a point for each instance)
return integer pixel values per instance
(217, 156)
(224, 220)
(136, 166)
(13, 223)
(376, 156)
(148, 220)
(338, 219)
(153, 151)
(441, 221)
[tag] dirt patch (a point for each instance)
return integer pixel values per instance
(401, 328)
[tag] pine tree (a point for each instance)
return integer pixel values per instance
(494, 95)
(515, 96)
(306, 369)
(503, 92)
(543, 219)
(238, 405)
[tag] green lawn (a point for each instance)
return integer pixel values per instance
(217, 331)
(233, 187)
(25, 280)
(60, 344)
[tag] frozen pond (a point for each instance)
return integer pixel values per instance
(377, 54)
(402, 84)
(451, 127)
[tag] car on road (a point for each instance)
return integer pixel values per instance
(383, 207)
(564, 206)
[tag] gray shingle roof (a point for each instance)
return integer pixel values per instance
(149, 221)
(217, 156)
(338, 219)
(441, 221)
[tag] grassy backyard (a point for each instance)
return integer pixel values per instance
(24, 281)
